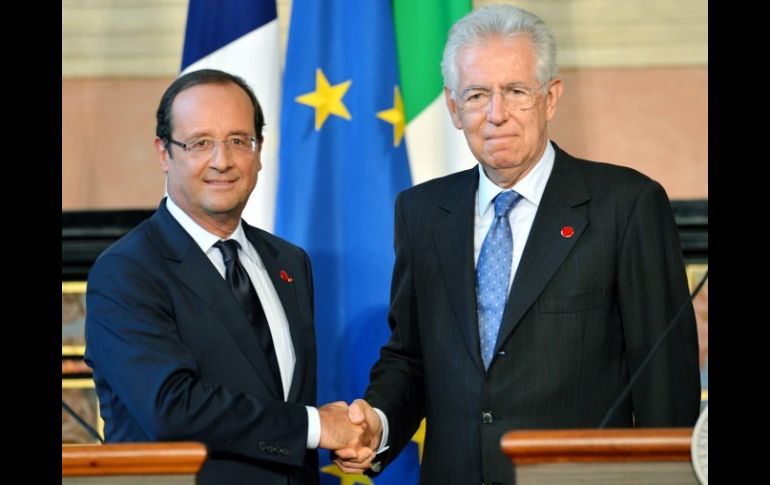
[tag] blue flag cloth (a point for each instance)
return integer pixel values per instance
(242, 37)
(213, 24)
(342, 162)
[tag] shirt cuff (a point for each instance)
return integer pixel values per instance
(313, 428)
(384, 440)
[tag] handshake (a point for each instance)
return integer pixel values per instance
(352, 433)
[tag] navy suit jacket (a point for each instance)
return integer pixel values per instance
(582, 313)
(176, 359)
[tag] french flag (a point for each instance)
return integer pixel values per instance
(241, 37)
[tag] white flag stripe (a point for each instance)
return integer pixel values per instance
(436, 148)
(256, 58)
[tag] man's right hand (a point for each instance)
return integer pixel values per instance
(339, 432)
(350, 460)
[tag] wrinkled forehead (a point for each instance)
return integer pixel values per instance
(497, 62)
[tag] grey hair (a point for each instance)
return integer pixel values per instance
(500, 21)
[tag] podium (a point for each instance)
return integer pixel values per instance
(162, 463)
(601, 456)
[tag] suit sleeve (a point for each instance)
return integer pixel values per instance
(652, 288)
(396, 380)
(147, 373)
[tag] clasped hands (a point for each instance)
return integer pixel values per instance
(352, 433)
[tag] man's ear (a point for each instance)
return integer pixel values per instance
(452, 105)
(555, 88)
(163, 154)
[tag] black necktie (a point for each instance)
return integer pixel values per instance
(240, 283)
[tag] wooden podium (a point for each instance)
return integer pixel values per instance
(598, 456)
(124, 463)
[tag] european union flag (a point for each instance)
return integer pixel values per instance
(342, 162)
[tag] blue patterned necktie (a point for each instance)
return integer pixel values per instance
(493, 271)
(239, 281)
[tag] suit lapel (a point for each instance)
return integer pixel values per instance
(453, 238)
(546, 248)
(275, 262)
(195, 271)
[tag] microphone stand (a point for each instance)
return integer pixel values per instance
(650, 355)
(81, 421)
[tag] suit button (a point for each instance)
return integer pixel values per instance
(486, 417)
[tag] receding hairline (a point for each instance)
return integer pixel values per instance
(489, 38)
(212, 82)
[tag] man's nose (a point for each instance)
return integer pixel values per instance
(220, 155)
(496, 111)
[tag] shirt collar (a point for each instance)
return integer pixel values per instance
(206, 240)
(531, 187)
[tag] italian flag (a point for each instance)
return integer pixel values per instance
(434, 145)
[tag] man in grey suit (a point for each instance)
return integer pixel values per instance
(527, 290)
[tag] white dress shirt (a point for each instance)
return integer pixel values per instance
(521, 217)
(271, 303)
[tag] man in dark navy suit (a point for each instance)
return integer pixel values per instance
(527, 290)
(199, 326)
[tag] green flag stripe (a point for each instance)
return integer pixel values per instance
(421, 31)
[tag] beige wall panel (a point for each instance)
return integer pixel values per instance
(144, 37)
(108, 160)
(122, 37)
(655, 120)
(629, 33)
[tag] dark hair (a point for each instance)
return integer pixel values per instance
(204, 76)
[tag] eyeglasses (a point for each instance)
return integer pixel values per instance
(204, 147)
(515, 97)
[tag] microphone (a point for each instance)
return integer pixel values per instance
(650, 355)
(81, 421)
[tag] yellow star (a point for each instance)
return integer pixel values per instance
(419, 438)
(346, 478)
(395, 116)
(326, 99)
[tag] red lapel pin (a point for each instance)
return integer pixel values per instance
(285, 276)
(567, 231)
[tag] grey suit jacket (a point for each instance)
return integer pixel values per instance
(582, 313)
(176, 359)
